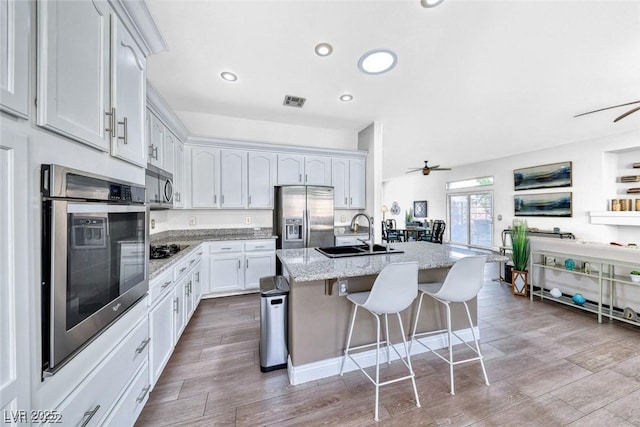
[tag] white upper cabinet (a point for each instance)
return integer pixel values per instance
(340, 181)
(73, 70)
(357, 180)
(296, 169)
(348, 178)
(14, 57)
(205, 173)
(178, 175)
(290, 169)
(233, 179)
(128, 97)
(317, 170)
(262, 175)
(168, 149)
(157, 135)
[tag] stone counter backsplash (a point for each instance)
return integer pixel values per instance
(170, 236)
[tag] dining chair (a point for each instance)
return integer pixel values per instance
(390, 235)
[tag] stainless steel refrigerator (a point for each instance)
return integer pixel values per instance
(303, 216)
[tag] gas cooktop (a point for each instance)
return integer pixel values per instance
(165, 251)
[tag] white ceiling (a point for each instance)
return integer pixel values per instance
(475, 80)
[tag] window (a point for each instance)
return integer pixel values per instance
(471, 218)
(468, 183)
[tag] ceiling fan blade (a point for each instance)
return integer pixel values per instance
(433, 167)
(633, 110)
(440, 169)
(607, 108)
(414, 170)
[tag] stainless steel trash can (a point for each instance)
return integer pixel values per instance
(274, 291)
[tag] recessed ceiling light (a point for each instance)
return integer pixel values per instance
(377, 61)
(324, 49)
(228, 76)
(346, 97)
(430, 3)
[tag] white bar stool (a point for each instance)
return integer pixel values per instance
(462, 284)
(395, 289)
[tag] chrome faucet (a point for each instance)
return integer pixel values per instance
(353, 222)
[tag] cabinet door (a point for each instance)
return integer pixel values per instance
(317, 170)
(128, 95)
(188, 297)
(340, 182)
(156, 150)
(262, 175)
(290, 169)
(178, 175)
(15, 356)
(73, 70)
(14, 57)
(233, 179)
(168, 151)
(226, 272)
(258, 265)
(205, 177)
(161, 322)
(357, 179)
(179, 314)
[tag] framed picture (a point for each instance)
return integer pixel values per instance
(547, 204)
(420, 209)
(545, 176)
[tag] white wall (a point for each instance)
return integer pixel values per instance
(216, 126)
(596, 165)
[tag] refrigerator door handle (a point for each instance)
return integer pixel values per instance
(307, 228)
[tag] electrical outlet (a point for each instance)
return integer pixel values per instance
(343, 287)
(343, 218)
(247, 220)
(192, 220)
(153, 224)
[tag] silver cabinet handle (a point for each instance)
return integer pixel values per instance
(215, 199)
(155, 153)
(222, 199)
(182, 269)
(192, 261)
(176, 305)
(225, 249)
(249, 200)
(143, 345)
(299, 177)
(143, 393)
(88, 415)
(259, 247)
(238, 264)
(350, 200)
(166, 284)
(306, 177)
(199, 253)
(124, 128)
(198, 277)
(345, 201)
(112, 116)
(151, 151)
(247, 264)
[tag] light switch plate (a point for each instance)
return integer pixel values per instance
(192, 220)
(247, 220)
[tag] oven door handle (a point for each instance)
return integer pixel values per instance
(99, 208)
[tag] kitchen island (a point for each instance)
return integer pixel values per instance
(319, 316)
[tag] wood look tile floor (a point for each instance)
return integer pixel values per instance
(548, 364)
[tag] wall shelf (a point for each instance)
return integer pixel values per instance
(615, 217)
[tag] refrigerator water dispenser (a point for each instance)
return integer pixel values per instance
(293, 229)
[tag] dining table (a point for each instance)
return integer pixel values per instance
(413, 232)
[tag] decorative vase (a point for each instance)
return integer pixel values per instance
(519, 282)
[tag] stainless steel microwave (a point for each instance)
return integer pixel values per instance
(94, 258)
(159, 185)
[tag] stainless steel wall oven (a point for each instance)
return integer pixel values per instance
(94, 253)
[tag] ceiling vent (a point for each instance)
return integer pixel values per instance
(293, 101)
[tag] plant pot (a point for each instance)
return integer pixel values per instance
(634, 277)
(519, 282)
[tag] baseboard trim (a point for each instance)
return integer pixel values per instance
(330, 367)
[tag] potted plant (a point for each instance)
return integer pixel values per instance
(407, 217)
(520, 257)
(635, 276)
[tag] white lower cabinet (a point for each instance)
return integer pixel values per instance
(97, 395)
(179, 318)
(162, 337)
(239, 265)
(131, 403)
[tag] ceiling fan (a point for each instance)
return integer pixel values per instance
(622, 116)
(426, 170)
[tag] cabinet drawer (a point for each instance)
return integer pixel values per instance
(260, 245)
(159, 286)
(130, 405)
(218, 248)
(180, 268)
(91, 400)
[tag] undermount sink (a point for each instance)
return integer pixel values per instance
(356, 250)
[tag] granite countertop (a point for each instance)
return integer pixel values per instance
(308, 264)
(190, 239)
